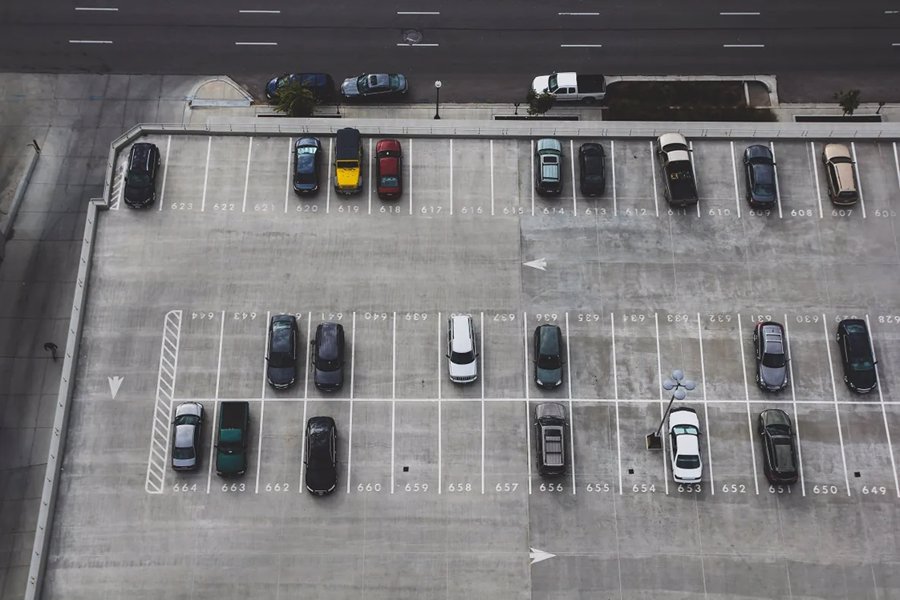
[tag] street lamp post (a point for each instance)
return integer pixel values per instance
(437, 98)
(679, 386)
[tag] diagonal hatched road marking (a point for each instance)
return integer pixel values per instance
(162, 411)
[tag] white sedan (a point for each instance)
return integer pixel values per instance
(684, 435)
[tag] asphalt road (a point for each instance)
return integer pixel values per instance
(487, 52)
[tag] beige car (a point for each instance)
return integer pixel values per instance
(839, 171)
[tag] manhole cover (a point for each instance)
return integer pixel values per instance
(412, 36)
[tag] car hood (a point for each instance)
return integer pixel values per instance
(282, 375)
(548, 377)
(350, 87)
(329, 378)
(772, 378)
(321, 480)
(540, 83)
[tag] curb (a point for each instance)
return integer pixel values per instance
(194, 102)
(7, 227)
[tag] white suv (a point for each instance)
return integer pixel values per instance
(684, 434)
(463, 363)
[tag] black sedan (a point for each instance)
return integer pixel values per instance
(856, 355)
(188, 426)
(548, 356)
(281, 359)
(592, 169)
(321, 455)
(759, 172)
(779, 450)
(320, 84)
(307, 160)
(379, 85)
(771, 356)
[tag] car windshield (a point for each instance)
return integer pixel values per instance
(552, 83)
(548, 361)
(306, 150)
(775, 361)
(462, 358)
(862, 365)
(685, 430)
(687, 461)
(183, 453)
(187, 420)
(390, 181)
(138, 179)
(395, 82)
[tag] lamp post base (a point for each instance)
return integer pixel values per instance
(654, 442)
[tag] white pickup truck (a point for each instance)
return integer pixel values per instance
(571, 87)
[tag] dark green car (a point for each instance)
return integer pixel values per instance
(548, 360)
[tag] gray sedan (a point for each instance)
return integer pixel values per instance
(188, 424)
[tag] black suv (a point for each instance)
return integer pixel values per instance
(592, 169)
(550, 438)
(281, 359)
(140, 179)
(856, 355)
(328, 357)
(321, 455)
(548, 356)
(779, 453)
(771, 356)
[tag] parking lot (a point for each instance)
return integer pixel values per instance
(438, 495)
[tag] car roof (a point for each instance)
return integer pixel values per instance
(688, 444)
(549, 338)
(327, 336)
(461, 340)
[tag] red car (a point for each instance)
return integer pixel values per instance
(388, 169)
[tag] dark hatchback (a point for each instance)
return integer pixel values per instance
(771, 356)
(856, 355)
(140, 176)
(321, 455)
(328, 357)
(320, 84)
(281, 359)
(759, 173)
(548, 356)
(307, 161)
(779, 450)
(375, 85)
(592, 169)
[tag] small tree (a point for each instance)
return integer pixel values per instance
(848, 101)
(538, 104)
(295, 100)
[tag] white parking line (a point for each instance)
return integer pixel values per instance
(206, 173)
(653, 178)
(887, 430)
(572, 164)
(409, 177)
(302, 485)
(859, 187)
(612, 325)
(247, 175)
(308, 356)
(393, 392)
(287, 183)
(571, 412)
(527, 411)
(896, 164)
(162, 192)
(696, 181)
(612, 170)
(777, 187)
(440, 432)
(371, 168)
(482, 397)
(530, 175)
(328, 187)
(737, 194)
(492, 183)
(262, 408)
(212, 447)
(787, 346)
(837, 412)
(812, 156)
(451, 177)
(662, 401)
(712, 481)
(747, 395)
(352, 365)
(219, 361)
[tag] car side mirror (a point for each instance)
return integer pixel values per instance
(447, 355)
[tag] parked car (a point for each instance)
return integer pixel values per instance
(674, 154)
(348, 176)
(232, 438)
(759, 172)
(321, 455)
(188, 426)
(857, 355)
(281, 358)
(378, 85)
(328, 356)
(779, 452)
(389, 169)
(548, 359)
(140, 176)
(771, 356)
(684, 435)
(840, 174)
(461, 352)
(592, 169)
(550, 438)
(320, 84)
(548, 156)
(307, 161)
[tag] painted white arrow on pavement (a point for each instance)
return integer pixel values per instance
(537, 556)
(114, 384)
(538, 263)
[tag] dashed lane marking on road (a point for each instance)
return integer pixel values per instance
(90, 41)
(96, 9)
(259, 12)
(162, 410)
(256, 43)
